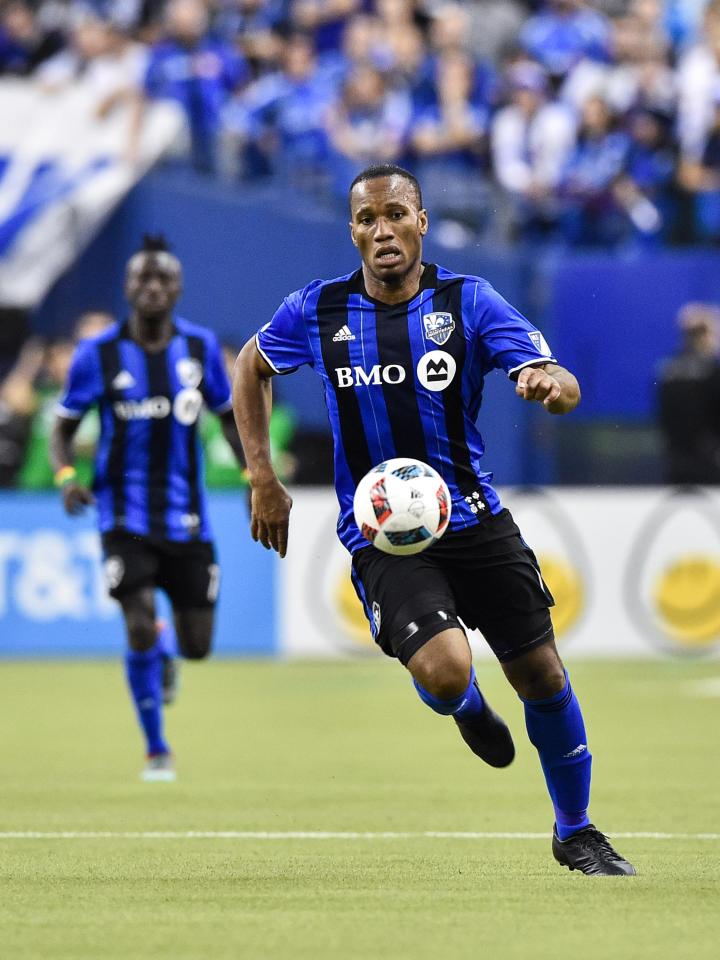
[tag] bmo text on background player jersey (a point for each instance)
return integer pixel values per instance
(405, 379)
(148, 468)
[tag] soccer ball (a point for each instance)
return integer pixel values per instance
(402, 506)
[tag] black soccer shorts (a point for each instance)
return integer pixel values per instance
(187, 572)
(485, 576)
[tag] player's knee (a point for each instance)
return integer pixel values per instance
(142, 634)
(445, 678)
(536, 676)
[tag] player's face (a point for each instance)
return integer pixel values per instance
(387, 227)
(153, 283)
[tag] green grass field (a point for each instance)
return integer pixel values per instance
(347, 747)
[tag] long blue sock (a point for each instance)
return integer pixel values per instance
(556, 728)
(468, 704)
(144, 677)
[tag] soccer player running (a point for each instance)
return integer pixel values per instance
(150, 377)
(402, 347)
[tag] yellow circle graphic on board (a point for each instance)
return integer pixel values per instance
(566, 586)
(351, 612)
(687, 596)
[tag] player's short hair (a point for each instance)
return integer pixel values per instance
(154, 243)
(377, 170)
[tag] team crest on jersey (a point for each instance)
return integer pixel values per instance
(438, 327)
(189, 372)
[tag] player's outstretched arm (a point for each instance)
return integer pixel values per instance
(75, 497)
(550, 384)
(252, 405)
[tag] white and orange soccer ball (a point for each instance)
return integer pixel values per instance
(402, 506)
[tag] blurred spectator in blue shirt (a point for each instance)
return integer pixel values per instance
(563, 34)
(640, 72)
(449, 146)
(593, 217)
(362, 42)
(399, 47)
(450, 32)
(23, 42)
(325, 19)
(255, 26)
(198, 72)
(277, 124)
(368, 122)
(531, 139)
(645, 189)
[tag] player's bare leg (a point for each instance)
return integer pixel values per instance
(444, 678)
(556, 728)
(143, 663)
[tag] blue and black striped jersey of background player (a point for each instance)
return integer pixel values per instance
(405, 379)
(148, 466)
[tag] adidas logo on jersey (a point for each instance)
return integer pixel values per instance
(123, 381)
(344, 333)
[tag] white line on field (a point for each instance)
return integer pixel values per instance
(317, 835)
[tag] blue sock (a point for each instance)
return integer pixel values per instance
(144, 677)
(555, 727)
(467, 705)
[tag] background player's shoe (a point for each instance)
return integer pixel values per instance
(488, 737)
(160, 768)
(591, 852)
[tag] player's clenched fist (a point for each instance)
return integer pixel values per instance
(536, 384)
(75, 498)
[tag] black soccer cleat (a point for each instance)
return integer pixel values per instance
(488, 737)
(591, 852)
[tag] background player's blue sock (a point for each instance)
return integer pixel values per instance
(556, 728)
(144, 677)
(468, 704)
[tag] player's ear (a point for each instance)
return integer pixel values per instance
(352, 233)
(423, 222)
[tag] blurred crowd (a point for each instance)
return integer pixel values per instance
(583, 123)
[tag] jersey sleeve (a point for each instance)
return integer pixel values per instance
(216, 387)
(84, 385)
(508, 340)
(283, 342)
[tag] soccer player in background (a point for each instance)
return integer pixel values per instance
(402, 347)
(150, 377)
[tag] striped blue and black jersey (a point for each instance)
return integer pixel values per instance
(406, 379)
(148, 467)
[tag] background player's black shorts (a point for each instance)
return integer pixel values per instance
(485, 575)
(187, 572)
